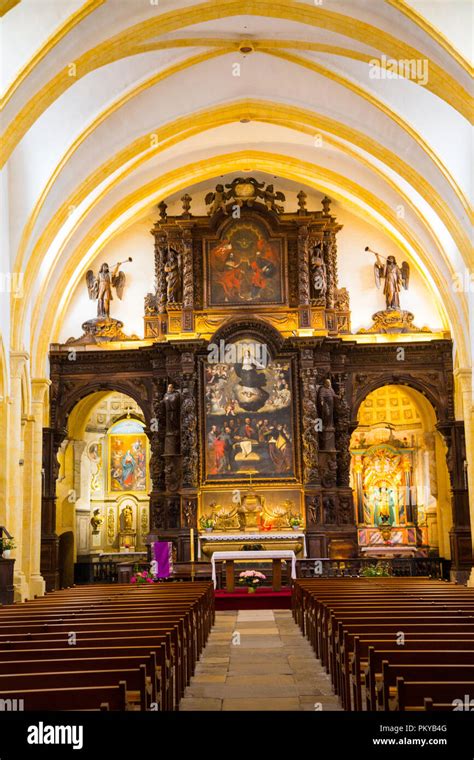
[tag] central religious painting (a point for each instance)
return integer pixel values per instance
(248, 414)
(246, 267)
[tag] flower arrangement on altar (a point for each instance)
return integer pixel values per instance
(251, 579)
(207, 523)
(141, 578)
(295, 521)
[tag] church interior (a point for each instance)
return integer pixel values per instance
(236, 336)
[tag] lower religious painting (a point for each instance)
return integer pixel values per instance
(248, 415)
(127, 462)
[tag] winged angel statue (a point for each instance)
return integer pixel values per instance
(395, 278)
(100, 287)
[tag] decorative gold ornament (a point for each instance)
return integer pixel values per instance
(393, 321)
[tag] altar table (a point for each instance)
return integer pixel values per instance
(230, 557)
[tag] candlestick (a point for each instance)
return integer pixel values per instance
(191, 539)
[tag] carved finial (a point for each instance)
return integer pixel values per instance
(325, 203)
(302, 202)
(162, 209)
(186, 201)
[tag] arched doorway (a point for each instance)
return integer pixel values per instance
(399, 476)
(66, 559)
(103, 485)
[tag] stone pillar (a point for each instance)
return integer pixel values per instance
(4, 426)
(14, 516)
(39, 388)
(464, 380)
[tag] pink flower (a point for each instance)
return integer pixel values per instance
(133, 579)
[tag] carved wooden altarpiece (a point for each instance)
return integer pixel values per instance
(267, 276)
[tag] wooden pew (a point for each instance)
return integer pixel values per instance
(374, 685)
(134, 678)
(40, 665)
(72, 698)
(355, 657)
(418, 673)
(411, 695)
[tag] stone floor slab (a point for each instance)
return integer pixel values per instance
(197, 703)
(268, 704)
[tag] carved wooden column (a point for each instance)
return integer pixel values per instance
(460, 533)
(346, 515)
(52, 440)
(155, 302)
(190, 456)
(309, 420)
(304, 309)
(157, 470)
(161, 254)
(310, 454)
(343, 433)
(188, 282)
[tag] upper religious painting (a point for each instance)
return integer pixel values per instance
(245, 267)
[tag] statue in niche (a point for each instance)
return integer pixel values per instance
(189, 512)
(345, 510)
(318, 272)
(172, 270)
(96, 521)
(329, 509)
(100, 287)
(172, 404)
(395, 278)
(173, 513)
(314, 510)
(127, 518)
(325, 398)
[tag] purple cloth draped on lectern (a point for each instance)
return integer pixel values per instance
(163, 556)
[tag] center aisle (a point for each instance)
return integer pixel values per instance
(258, 660)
